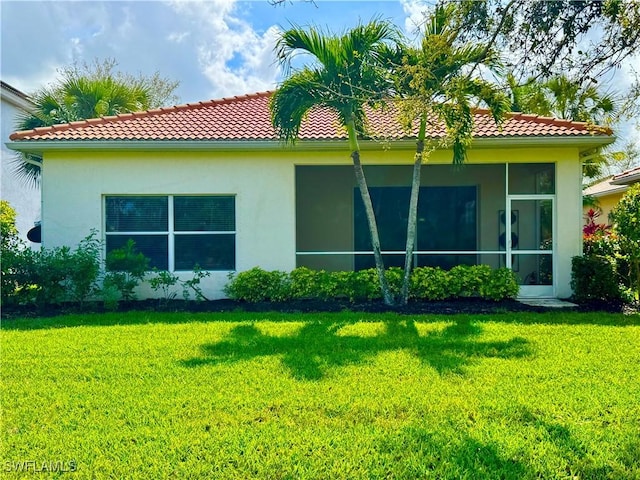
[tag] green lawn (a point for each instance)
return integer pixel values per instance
(348, 395)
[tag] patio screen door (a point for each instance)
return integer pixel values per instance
(530, 250)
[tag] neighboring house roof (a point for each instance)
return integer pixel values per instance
(15, 91)
(15, 96)
(627, 177)
(247, 118)
(614, 184)
(603, 188)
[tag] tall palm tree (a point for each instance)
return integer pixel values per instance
(347, 74)
(438, 83)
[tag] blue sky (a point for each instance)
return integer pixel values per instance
(214, 48)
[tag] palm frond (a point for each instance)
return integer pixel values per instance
(24, 167)
(291, 102)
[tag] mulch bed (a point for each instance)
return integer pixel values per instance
(463, 305)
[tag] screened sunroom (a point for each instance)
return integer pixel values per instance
(494, 214)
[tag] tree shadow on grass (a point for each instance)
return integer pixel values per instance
(419, 453)
(319, 346)
(579, 462)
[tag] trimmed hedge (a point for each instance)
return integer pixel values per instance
(594, 278)
(427, 283)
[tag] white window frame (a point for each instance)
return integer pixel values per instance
(170, 233)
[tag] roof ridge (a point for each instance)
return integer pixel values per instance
(59, 127)
(247, 117)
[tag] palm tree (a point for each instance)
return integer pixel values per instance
(564, 98)
(568, 99)
(437, 85)
(85, 92)
(347, 74)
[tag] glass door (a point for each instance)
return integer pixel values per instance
(530, 243)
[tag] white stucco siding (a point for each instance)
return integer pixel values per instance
(75, 184)
(568, 219)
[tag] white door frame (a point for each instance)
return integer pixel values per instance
(533, 291)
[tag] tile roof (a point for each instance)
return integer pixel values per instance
(247, 118)
(604, 187)
(627, 177)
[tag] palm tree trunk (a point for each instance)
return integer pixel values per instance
(368, 208)
(412, 219)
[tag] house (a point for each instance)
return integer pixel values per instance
(610, 190)
(209, 183)
(23, 197)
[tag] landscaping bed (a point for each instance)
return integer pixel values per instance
(447, 307)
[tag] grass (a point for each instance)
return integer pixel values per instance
(344, 395)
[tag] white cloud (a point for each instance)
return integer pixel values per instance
(231, 54)
(29, 83)
(416, 11)
(177, 37)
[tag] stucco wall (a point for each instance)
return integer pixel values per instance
(264, 184)
(75, 183)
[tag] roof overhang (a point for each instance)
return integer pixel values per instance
(609, 191)
(627, 179)
(583, 143)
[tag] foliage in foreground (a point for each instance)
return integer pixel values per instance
(610, 267)
(52, 276)
(515, 396)
(626, 218)
(427, 283)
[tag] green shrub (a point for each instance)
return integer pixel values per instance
(594, 278)
(427, 283)
(164, 281)
(125, 270)
(258, 285)
(430, 283)
(193, 284)
(466, 281)
(53, 276)
(38, 277)
(394, 276)
(10, 249)
(626, 218)
(328, 285)
(501, 284)
(303, 283)
(85, 269)
(8, 231)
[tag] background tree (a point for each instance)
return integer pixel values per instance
(582, 38)
(89, 91)
(576, 100)
(347, 74)
(564, 98)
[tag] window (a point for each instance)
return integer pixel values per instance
(175, 232)
(447, 221)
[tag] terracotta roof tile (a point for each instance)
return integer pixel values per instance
(247, 118)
